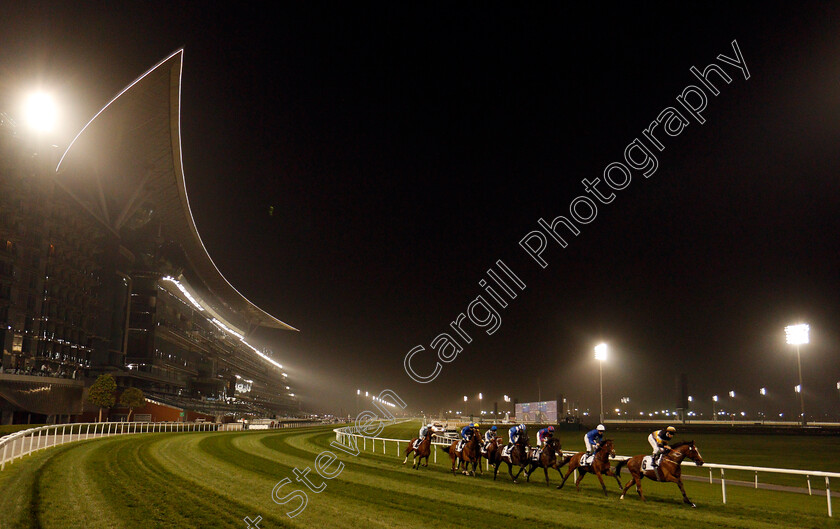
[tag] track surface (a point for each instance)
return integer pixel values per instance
(219, 479)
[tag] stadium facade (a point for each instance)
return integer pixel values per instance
(102, 270)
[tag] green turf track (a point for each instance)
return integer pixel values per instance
(217, 479)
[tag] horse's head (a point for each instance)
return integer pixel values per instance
(553, 444)
(692, 453)
(607, 447)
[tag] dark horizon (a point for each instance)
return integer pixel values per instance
(356, 173)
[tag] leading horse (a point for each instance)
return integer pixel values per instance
(600, 465)
(423, 450)
(669, 468)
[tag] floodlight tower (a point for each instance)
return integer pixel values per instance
(798, 335)
(601, 356)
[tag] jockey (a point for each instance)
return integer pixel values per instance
(593, 439)
(544, 435)
(659, 441)
(515, 433)
(426, 430)
(468, 431)
(489, 435)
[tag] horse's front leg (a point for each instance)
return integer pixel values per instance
(682, 489)
(601, 479)
(613, 474)
(545, 469)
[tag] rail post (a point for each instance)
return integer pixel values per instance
(828, 496)
(723, 485)
(809, 484)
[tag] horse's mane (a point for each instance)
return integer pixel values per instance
(603, 444)
(681, 443)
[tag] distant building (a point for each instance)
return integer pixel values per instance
(102, 270)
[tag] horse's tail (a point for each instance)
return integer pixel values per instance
(618, 467)
(563, 461)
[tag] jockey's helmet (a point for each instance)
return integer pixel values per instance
(475, 425)
(671, 429)
(600, 428)
(551, 429)
(523, 427)
(493, 428)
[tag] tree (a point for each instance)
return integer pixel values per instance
(101, 393)
(132, 398)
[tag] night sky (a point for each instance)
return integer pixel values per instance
(405, 151)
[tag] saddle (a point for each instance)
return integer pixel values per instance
(416, 444)
(460, 446)
(536, 453)
(586, 460)
(648, 461)
(506, 451)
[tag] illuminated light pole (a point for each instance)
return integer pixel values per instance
(763, 393)
(601, 356)
(731, 403)
(798, 335)
(714, 408)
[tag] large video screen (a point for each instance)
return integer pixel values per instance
(544, 412)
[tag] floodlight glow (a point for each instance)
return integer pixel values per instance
(465, 398)
(366, 393)
(798, 388)
(715, 398)
(732, 394)
(690, 398)
(40, 112)
(358, 392)
(601, 352)
(763, 391)
(797, 334)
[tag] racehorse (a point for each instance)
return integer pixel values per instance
(669, 468)
(470, 453)
(518, 457)
(423, 450)
(494, 453)
(600, 465)
(548, 459)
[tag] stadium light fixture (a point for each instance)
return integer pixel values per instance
(798, 335)
(465, 398)
(714, 407)
(601, 356)
(40, 111)
(732, 394)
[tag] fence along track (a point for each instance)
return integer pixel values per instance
(19, 444)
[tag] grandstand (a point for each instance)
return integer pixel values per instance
(102, 270)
